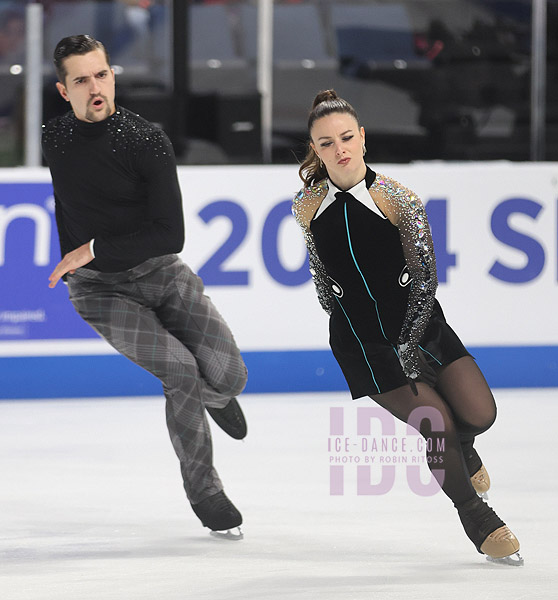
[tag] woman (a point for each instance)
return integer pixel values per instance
(373, 263)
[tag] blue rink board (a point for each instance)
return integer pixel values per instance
(269, 372)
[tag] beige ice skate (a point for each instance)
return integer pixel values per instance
(491, 536)
(501, 546)
(481, 482)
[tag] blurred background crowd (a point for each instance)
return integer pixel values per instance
(431, 79)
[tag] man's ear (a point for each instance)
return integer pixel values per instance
(62, 91)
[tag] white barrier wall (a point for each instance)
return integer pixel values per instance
(495, 228)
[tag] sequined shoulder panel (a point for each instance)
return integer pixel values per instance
(135, 134)
(126, 132)
(307, 202)
(58, 131)
(394, 198)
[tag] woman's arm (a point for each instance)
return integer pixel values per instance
(406, 211)
(305, 204)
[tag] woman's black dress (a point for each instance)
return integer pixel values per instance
(374, 310)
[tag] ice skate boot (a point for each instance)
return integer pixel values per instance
(489, 533)
(221, 516)
(481, 482)
(477, 471)
(230, 419)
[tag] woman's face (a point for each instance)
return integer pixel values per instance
(338, 141)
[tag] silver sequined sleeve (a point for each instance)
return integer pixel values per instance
(419, 255)
(319, 275)
(317, 270)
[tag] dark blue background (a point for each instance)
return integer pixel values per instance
(24, 285)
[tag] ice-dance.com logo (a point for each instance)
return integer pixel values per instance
(375, 451)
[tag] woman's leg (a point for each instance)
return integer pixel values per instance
(464, 388)
(401, 402)
(474, 412)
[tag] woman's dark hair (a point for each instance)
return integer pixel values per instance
(75, 44)
(326, 102)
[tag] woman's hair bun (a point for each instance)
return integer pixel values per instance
(323, 96)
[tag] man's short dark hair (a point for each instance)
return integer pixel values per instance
(74, 44)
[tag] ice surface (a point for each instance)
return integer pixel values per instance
(92, 508)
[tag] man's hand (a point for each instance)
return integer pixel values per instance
(72, 261)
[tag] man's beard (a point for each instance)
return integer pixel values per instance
(92, 115)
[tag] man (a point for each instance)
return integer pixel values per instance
(120, 223)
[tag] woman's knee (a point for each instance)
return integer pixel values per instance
(477, 421)
(482, 420)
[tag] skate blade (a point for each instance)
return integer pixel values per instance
(228, 535)
(514, 560)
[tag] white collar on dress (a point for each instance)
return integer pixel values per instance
(359, 191)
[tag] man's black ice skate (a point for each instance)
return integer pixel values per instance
(230, 419)
(489, 533)
(221, 516)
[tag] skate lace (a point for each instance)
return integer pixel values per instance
(479, 477)
(501, 534)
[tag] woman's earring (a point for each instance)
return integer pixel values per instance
(363, 149)
(321, 162)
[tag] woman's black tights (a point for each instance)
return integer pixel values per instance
(464, 407)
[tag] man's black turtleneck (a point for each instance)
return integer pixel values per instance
(115, 182)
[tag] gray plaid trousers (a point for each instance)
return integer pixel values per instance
(157, 315)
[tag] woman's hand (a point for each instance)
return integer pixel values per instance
(415, 366)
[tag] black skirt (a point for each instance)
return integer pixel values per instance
(373, 367)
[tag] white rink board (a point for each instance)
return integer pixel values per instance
(268, 309)
(483, 308)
